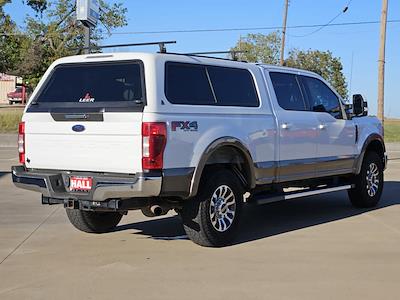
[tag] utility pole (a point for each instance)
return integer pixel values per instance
(284, 32)
(87, 39)
(381, 67)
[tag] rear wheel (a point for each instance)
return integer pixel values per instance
(211, 218)
(93, 222)
(369, 183)
(10, 102)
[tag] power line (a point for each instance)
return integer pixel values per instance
(342, 12)
(237, 29)
(250, 28)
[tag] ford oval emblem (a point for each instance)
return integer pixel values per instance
(78, 128)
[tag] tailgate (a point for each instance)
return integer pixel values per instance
(113, 145)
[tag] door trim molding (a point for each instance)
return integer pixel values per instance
(299, 169)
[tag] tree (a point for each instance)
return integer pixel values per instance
(11, 41)
(53, 32)
(322, 63)
(37, 5)
(259, 48)
(266, 49)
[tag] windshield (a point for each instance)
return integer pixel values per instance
(94, 82)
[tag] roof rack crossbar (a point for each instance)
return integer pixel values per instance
(161, 44)
(233, 53)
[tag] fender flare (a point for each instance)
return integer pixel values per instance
(215, 145)
(371, 138)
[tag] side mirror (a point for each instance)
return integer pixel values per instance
(360, 107)
(319, 108)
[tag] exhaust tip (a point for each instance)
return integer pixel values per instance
(156, 210)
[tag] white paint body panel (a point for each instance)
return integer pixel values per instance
(336, 137)
(366, 127)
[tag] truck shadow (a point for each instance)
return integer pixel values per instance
(264, 221)
(4, 173)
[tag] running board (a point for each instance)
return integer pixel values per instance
(265, 199)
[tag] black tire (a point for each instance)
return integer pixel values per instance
(362, 195)
(93, 222)
(10, 102)
(197, 212)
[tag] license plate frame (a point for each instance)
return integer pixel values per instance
(83, 184)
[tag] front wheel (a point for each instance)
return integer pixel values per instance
(93, 222)
(369, 183)
(211, 218)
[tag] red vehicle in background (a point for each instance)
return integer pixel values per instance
(19, 95)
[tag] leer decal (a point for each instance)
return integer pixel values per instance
(87, 98)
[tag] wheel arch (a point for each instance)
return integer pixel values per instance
(230, 146)
(374, 142)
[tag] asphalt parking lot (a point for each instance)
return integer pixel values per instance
(313, 248)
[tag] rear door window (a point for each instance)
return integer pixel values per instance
(93, 83)
(288, 92)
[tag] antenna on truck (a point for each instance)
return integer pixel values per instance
(161, 45)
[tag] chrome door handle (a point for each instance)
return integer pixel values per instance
(322, 126)
(285, 126)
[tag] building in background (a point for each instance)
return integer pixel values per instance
(11, 86)
(8, 84)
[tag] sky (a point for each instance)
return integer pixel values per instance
(357, 46)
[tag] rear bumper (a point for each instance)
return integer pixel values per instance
(54, 184)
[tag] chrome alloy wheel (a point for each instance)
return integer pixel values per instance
(222, 208)
(372, 179)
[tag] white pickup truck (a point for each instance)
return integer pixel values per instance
(103, 134)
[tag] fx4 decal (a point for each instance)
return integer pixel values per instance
(184, 125)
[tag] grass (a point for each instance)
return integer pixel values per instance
(9, 119)
(392, 130)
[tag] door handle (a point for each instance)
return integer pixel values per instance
(322, 126)
(285, 126)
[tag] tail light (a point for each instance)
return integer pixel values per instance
(154, 139)
(21, 142)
